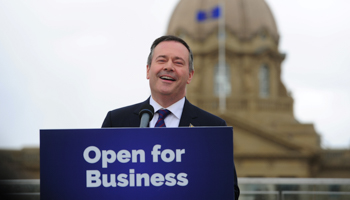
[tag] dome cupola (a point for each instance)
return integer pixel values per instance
(244, 18)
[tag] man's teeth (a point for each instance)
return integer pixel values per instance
(167, 78)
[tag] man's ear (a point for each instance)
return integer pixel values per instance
(148, 68)
(190, 77)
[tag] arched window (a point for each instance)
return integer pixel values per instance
(222, 83)
(264, 81)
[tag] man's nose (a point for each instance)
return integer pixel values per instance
(169, 66)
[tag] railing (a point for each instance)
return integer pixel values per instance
(251, 189)
(294, 189)
(21, 189)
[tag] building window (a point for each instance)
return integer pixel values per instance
(222, 83)
(264, 81)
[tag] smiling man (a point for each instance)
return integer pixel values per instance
(169, 70)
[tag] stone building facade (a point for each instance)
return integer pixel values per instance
(268, 140)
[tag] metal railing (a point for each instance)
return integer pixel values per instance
(294, 188)
(20, 189)
(251, 189)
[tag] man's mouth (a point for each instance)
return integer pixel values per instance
(167, 78)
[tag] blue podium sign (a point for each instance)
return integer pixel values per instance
(137, 163)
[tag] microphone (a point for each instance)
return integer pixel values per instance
(146, 115)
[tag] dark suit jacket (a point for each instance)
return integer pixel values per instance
(129, 117)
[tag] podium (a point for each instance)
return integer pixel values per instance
(137, 163)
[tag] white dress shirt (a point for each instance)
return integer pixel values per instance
(173, 119)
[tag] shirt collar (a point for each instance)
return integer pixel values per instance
(176, 108)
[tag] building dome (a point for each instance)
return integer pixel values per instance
(244, 18)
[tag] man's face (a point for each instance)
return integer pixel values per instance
(169, 70)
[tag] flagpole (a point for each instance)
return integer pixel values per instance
(222, 66)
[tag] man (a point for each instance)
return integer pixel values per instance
(169, 70)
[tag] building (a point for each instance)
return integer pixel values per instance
(268, 140)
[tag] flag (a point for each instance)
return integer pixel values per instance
(214, 13)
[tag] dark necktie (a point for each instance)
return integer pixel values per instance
(162, 116)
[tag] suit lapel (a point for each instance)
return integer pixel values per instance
(135, 119)
(188, 114)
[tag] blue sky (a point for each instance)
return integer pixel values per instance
(64, 64)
